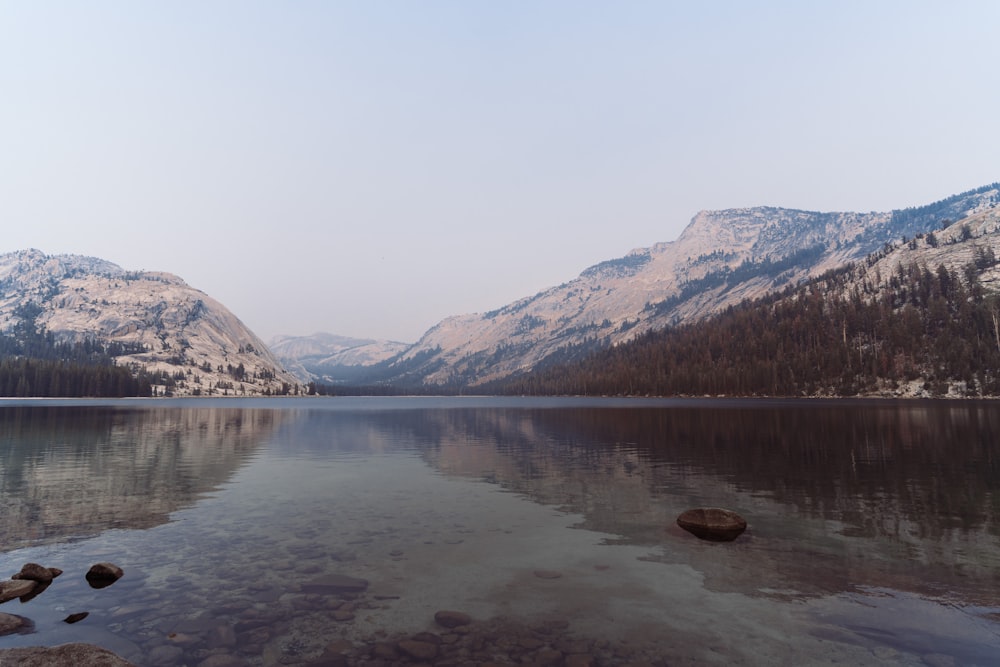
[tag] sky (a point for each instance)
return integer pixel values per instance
(368, 168)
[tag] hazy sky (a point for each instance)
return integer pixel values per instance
(369, 168)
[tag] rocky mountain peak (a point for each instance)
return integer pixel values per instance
(197, 345)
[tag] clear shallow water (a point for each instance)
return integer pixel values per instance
(874, 532)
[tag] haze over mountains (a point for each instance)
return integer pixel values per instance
(330, 358)
(197, 347)
(721, 259)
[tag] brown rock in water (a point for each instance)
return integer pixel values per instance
(77, 617)
(36, 572)
(103, 574)
(15, 588)
(713, 523)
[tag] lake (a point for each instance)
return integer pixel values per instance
(245, 529)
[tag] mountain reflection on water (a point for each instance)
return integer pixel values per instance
(68, 472)
(839, 494)
(873, 525)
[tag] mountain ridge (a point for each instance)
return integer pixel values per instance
(719, 259)
(917, 318)
(193, 343)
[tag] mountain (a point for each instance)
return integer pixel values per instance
(917, 318)
(188, 340)
(720, 259)
(329, 358)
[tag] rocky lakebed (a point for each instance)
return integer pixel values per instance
(275, 627)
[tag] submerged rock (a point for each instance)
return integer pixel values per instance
(712, 523)
(418, 649)
(452, 619)
(11, 623)
(78, 655)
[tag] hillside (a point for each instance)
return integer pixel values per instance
(721, 259)
(921, 317)
(190, 342)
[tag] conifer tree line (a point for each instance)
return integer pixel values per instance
(33, 364)
(842, 334)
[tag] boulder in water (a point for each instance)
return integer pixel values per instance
(712, 523)
(103, 574)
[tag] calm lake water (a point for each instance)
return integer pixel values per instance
(874, 527)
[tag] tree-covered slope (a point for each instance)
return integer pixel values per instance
(920, 317)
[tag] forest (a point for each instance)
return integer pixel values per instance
(33, 364)
(920, 331)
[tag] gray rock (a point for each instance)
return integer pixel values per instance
(67, 655)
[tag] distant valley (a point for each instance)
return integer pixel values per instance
(332, 359)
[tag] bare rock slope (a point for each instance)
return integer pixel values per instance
(183, 332)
